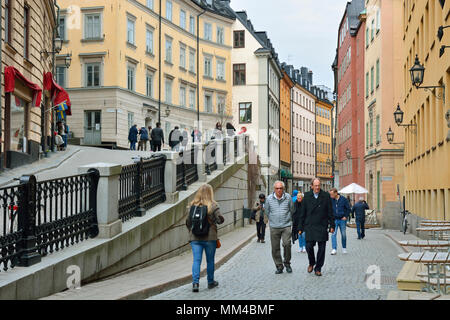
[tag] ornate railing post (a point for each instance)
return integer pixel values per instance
(183, 166)
(170, 176)
(140, 210)
(29, 254)
(206, 157)
(199, 149)
(93, 177)
(219, 154)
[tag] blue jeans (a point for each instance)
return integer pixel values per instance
(133, 145)
(340, 224)
(197, 252)
(302, 240)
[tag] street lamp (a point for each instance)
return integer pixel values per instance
(390, 137)
(398, 117)
(167, 112)
(417, 73)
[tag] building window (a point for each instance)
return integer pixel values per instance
(169, 10)
(192, 61)
(192, 24)
(149, 85)
(371, 80)
(220, 70)
(220, 104)
(372, 30)
(150, 4)
(182, 56)
(130, 31)
(238, 74)
(62, 28)
(149, 41)
(367, 84)
(207, 31)
(168, 49)
(245, 112)
(8, 27)
(61, 76)
(208, 71)
(130, 119)
(378, 130)
(26, 32)
(208, 102)
(183, 19)
(239, 39)
(378, 73)
(192, 99)
(367, 37)
(220, 35)
(131, 70)
(371, 132)
(92, 26)
(168, 87)
(378, 20)
(93, 75)
(183, 96)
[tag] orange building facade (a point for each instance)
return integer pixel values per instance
(286, 84)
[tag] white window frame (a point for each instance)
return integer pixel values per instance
(192, 24)
(149, 4)
(207, 66)
(168, 50)
(168, 90)
(169, 9)
(192, 98)
(207, 31)
(182, 56)
(182, 21)
(93, 64)
(220, 35)
(85, 29)
(149, 86)
(131, 34)
(220, 69)
(182, 96)
(58, 75)
(149, 41)
(208, 107)
(131, 67)
(192, 60)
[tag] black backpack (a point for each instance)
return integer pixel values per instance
(199, 220)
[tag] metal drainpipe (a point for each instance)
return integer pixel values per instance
(1, 67)
(159, 69)
(198, 68)
(52, 137)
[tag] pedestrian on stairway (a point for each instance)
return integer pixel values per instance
(359, 210)
(341, 211)
(316, 216)
(261, 218)
(203, 217)
(132, 137)
(280, 208)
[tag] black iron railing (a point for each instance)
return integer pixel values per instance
(235, 138)
(42, 217)
(225, 152)
(10, 234)
(181, 173)
(141, 187)
(66, 211)
(190, 166)
(210, 158)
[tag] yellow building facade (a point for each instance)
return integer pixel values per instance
(286, 85)
(324, 141)
(137, 61)
(427, 146)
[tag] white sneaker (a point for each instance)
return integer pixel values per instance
(333, 252)
(304, 249)
(299, 250)
(344, 250)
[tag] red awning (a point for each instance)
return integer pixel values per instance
(58, 94)
(11, 74)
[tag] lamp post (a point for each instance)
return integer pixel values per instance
(398, 117)
(390, 137)
(417, 72)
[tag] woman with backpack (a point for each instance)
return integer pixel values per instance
(202, 220)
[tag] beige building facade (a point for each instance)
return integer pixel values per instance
(148, 66)
(427, 144)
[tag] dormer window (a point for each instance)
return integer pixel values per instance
(209, 2)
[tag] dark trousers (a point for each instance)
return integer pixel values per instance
(260, 230)
(360, 228)
(156, 146)
(320, 254)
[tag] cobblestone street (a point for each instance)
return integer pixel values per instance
(250, 274)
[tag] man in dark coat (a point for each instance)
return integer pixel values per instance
(175, 137)
(157, 137)
(132, 137)
(316, 216)
(359, 209)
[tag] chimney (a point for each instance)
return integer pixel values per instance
(310, 77)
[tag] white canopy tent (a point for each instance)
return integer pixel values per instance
(353, 188)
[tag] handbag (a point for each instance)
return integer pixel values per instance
(218, 244)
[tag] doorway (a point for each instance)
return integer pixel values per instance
(92, 128)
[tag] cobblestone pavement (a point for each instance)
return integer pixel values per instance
(250, 274)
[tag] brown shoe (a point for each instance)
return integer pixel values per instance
(262, 241)
(318, 273)
(310, 269)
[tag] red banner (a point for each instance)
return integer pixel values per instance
(11, 74)
(58, 94)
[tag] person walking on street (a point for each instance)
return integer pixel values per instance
(175, 139)
(132, 137)
(261, 218)
(359, 210)
(203, 217)
(279, 209)
(143, 133)
(196, 135)
(185, 141)
(150, 137)
(316, 216)
(297, 198)
(341, 211)
(157, 137)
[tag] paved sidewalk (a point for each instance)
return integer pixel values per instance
(161, 276)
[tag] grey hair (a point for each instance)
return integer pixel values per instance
(278, 181)
(313, 179)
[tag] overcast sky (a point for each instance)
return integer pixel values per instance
(303, 32)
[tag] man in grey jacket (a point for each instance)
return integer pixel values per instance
(280, 208)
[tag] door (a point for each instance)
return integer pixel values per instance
(92, 128)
